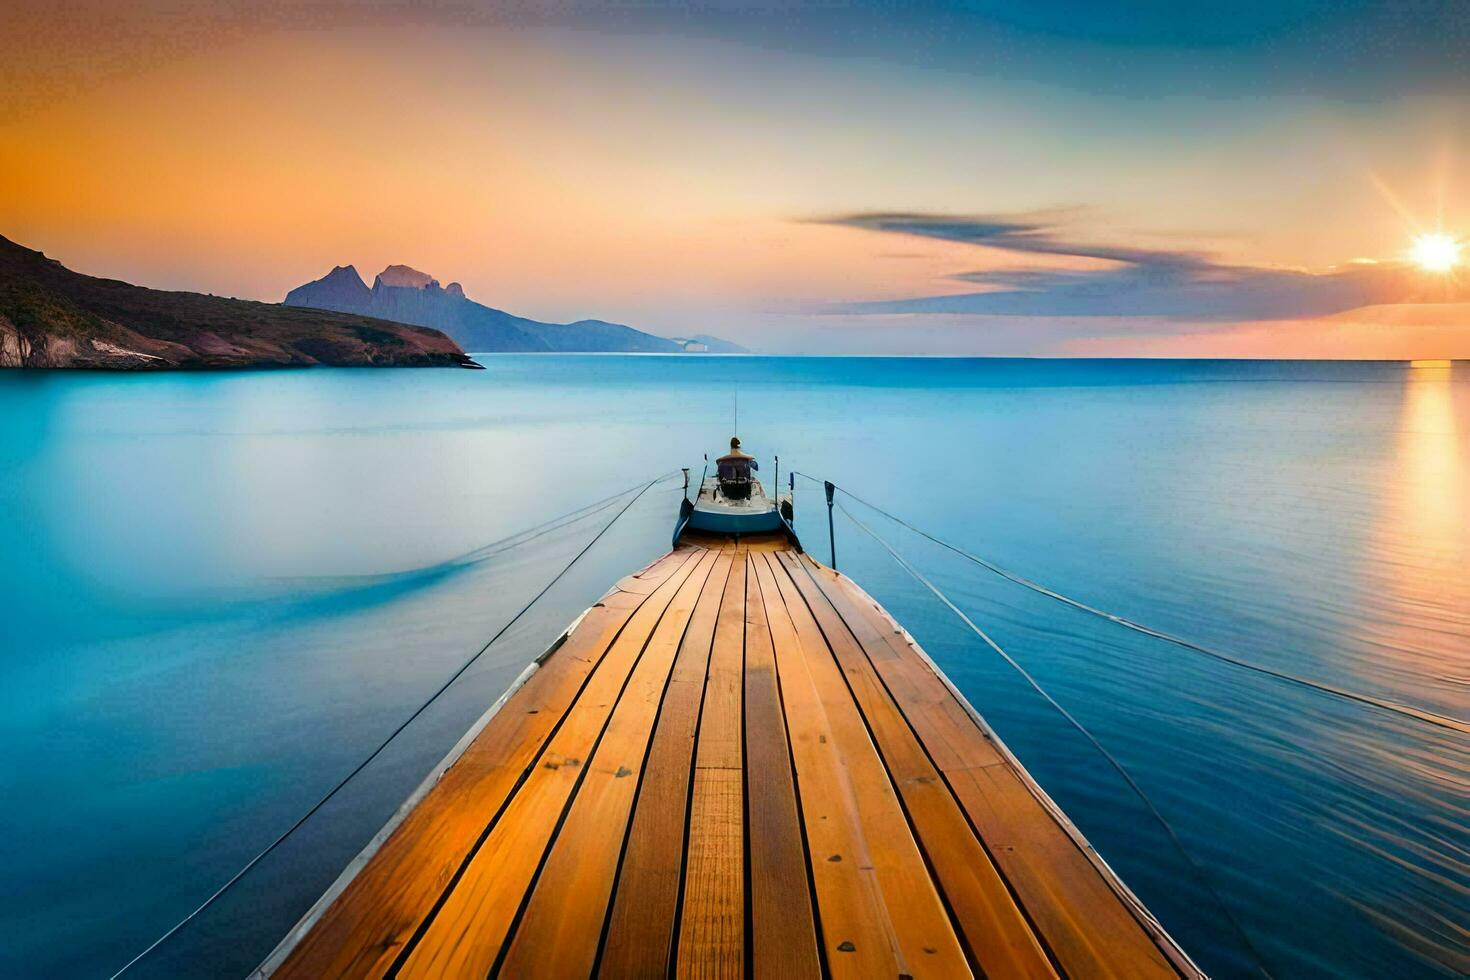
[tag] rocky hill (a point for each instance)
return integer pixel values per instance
(409, 296)
(51, 317)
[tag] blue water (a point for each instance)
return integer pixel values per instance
(220, 590)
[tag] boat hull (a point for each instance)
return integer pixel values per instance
(733, 522)
(714, 513)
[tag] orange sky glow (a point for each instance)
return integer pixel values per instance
(700, 184)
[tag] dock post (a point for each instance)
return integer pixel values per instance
(831, 535)
(686, 481)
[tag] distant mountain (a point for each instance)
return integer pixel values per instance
(410, 296)
(51, 317)
(342, 289)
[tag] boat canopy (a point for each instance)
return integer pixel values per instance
(733, 470)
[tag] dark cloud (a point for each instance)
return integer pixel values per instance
(1030, 231)
(1140, 282)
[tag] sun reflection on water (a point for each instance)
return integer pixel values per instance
(1415, 630)
(1420, 556)
(1431, 463)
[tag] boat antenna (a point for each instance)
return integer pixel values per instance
(737, 413)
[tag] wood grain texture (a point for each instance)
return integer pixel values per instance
(640, 937)
(465, 935)
(361, 932)
(861, 844)
(737, 764)
(783, 937)
(995, 932)
(561, 929)
(1082, 920)
(712, 923)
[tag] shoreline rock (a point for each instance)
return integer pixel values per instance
(52, 318)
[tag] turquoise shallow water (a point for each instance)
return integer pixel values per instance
(221, 590)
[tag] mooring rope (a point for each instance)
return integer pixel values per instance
(260, 856)
(520, 538)
(1397, 707)
(1199, 873)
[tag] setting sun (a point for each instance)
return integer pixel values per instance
(1436, 253)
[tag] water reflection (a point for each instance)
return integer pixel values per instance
(1432, 464)
(1419, 559)
(201, 633)
(1414, 642)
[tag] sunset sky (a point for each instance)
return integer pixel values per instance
(990, 178)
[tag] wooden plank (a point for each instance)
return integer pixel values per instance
(1086, 924)
(774, 710)
(561, 928)
(720, 726)
(362, 931)
(639, 936)
(645, 581)
(712, 920)
(465, 935)
(873, 891)
(712, 925)
(783, 934)
(943, 724)
(995, 931)
(765, 541)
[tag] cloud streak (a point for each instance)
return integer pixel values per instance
(1136, 282)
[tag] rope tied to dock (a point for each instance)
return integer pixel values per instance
(1422, 715)
(1198, 872)
(518, 539)
(1411, 712)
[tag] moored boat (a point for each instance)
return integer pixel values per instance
(735, 763)
(734, 501)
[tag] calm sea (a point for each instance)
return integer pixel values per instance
(221, 590)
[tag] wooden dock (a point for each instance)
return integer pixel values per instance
(735, 764)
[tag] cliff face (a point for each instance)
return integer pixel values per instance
(409, 296)
(51, 317)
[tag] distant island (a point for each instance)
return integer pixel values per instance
(51, 317)
(409, 296)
